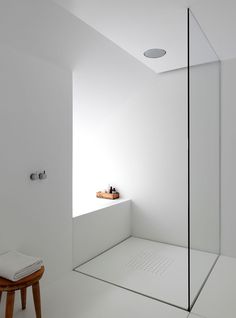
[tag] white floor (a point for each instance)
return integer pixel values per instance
(154, 269)
(79, 296)
(218, 298)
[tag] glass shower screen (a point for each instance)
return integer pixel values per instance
(203, 158)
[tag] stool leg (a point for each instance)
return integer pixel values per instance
(36, 296)
(10, 304)
(0, 295)
(23, 292)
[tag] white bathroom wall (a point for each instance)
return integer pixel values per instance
(36, 134)
(141, 147)
(228, 159)
(107, 87)
(136, 141)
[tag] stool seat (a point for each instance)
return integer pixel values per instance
(10, 287)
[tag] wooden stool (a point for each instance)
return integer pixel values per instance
(10, 287)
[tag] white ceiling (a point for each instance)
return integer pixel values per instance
(137, 25)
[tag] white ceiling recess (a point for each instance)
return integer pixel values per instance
(137, 25)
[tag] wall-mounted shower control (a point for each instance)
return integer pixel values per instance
(42, 175)
(38, 176)
(34, 176)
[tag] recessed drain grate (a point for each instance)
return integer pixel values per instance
(151, 262)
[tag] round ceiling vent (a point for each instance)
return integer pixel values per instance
(154, 53)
